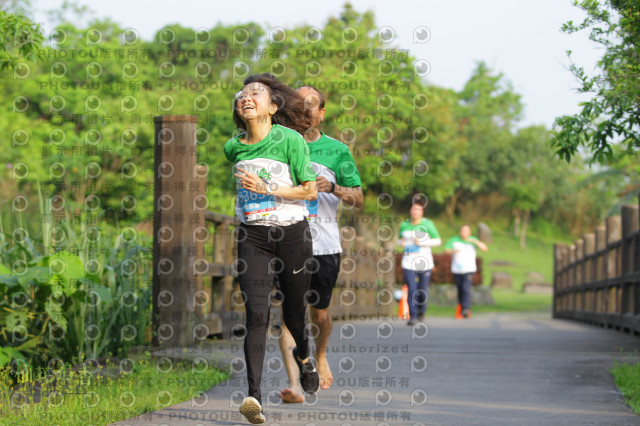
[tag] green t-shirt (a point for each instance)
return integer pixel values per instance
(463, 259)
(331, 159)
(281, 159)
(416, 256)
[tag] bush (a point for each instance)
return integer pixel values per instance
(84, 296)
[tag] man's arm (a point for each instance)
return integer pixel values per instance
(428, 242)
(350, 196)
(482, 246)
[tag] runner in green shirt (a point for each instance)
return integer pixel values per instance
(337, 180)
(274, 179)
(417, 236)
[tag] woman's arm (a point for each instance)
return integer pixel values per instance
(252, 182)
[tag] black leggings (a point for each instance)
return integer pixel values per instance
(264, 251)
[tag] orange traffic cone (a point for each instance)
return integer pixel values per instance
(403, 308)
(459, 312)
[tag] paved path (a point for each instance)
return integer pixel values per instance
(488, 370)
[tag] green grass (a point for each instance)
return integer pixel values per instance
(80, 397)
(506, 301)
(627, 377)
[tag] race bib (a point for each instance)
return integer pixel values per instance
(312, 207)
(255, 206)
(411, 248)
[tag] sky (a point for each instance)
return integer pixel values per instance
(520, 39)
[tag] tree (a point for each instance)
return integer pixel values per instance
(528, 176)
(20, 39)
(401, 131)
(612, 116)
(489, 109)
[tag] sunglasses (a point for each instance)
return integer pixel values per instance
(253, 93)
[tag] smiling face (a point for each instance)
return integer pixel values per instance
(465, 232)
(253, 102)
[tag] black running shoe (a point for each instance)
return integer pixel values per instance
(309, 378)
(252, 410)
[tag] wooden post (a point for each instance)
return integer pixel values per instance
(581, 274)
(566, 282)
(388, 277)
(557, 278)
(199, 204)
(222, 286)
(370, 287)
(347, 238)
(358, 277)
(174, 285)
(629, 288)
(614, 232)
(601, 244)
(572, 279)
(589, 275)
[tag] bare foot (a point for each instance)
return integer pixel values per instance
(291, 397)
(326, 378)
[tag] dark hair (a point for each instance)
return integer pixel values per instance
(291, 111)
(419, 200)
(320, 95)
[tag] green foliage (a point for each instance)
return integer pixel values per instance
(627, 377)
(20, 39)
(81, 121)
(102, 394)
(487, 111)
(89, 298)
(611, 116)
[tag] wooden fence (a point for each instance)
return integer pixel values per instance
(364, 288)
(195, 291)
(597, 279)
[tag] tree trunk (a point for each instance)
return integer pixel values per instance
(523, 231)
(516, 222)
(450, 206)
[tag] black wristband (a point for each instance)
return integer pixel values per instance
(333, 186)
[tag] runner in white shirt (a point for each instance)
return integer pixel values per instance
(337, 179)
(463, 266)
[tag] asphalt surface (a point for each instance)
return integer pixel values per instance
(494, 369)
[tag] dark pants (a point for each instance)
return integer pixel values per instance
(264, 251)
(418, 283)
(463, 282)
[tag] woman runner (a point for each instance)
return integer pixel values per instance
(274, 178)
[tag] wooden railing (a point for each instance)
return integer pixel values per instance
(364, 288)
(597, 279)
